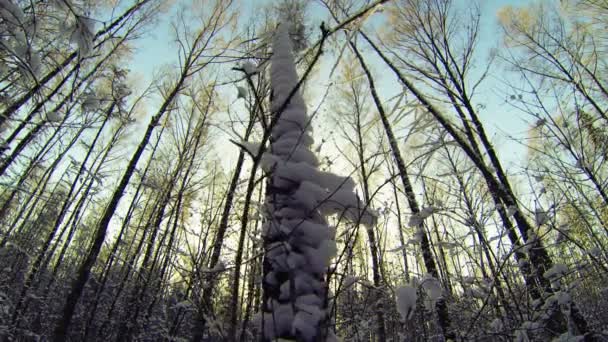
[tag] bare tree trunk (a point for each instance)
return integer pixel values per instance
(218, 241)
(427, 254)
(130, 322)
(373, 245)
(539, 258)
(400, 225)
(102, 227)
(76, 215)
(40, 256)
(123, 228)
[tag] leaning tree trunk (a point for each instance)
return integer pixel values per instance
(538, 255)
(129, 324)
(119, 239)
(102, 227)
(46, 245)
(425, 245)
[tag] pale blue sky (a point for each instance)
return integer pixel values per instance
(157, 49)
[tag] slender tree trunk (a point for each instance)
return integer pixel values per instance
(79, 208)
(373, 245)
(47, 243)
(221, 232)
(84, 270)
(253, 285)
(538, 254)
(400, 225)
(25, 175)
(427, 254)
(126, 331)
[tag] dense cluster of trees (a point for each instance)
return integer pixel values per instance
(199, 207)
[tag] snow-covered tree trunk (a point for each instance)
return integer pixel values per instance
(298, 242)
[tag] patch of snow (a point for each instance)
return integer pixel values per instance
(251, 147)
(279, 321)
(305, 323)
(558, 270)
(496, 325)
(541, 217)
(568, 337)
(595, 251)
(415, 220)
(241, 92)
(249, 68)
(406, 301)
(54, 117)
(562, 297)
(349, 281)
(432, 289)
